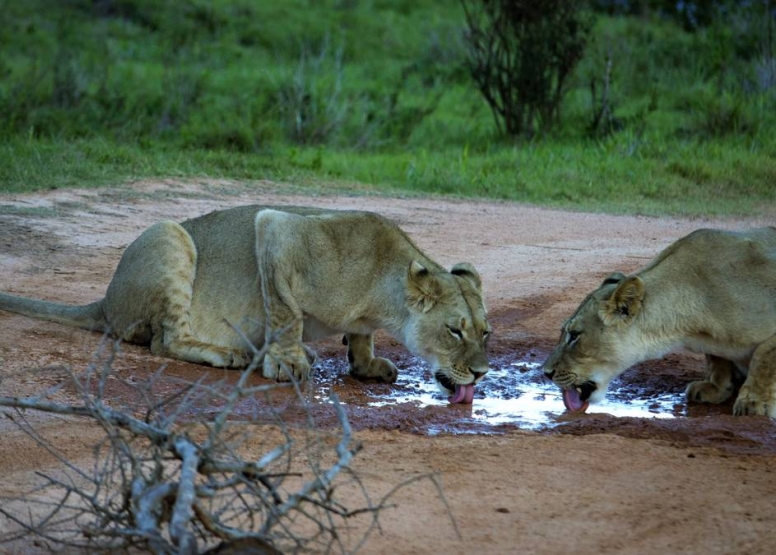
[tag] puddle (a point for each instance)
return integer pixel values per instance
(646, 402)
(513, 393)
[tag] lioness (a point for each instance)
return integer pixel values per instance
(713, 292)
(291, 275)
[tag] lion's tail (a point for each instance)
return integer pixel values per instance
(88, 316)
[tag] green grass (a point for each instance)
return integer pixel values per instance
(29, 165)
(707, 178)
(693, 179)
(341, 92)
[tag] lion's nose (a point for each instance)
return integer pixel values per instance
(478, 375)
(549, 373)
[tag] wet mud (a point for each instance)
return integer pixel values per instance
(647, 401)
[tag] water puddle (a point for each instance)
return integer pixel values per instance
(530, 404)
(513, 393)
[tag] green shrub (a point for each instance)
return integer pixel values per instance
(310, 101)
(521, 55)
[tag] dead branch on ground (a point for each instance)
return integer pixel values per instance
(170, 479)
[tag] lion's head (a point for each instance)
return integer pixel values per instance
(598, 342)
(448, 326)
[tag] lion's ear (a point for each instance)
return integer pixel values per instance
(616, 277)
(625, 303)
(423, 289)
(467, 272)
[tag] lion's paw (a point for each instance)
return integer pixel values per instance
(752, 404)
(707, 392)
(380, 369)
(222, 357)
(282, 366)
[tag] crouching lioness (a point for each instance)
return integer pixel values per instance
(291, 275)
(713, 292)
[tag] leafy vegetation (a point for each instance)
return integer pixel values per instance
(377, 91)
(521, 54)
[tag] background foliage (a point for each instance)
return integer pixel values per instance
(378, 91)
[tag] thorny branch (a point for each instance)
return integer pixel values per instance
(175, 481)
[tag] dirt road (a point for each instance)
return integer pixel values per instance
(674, 479)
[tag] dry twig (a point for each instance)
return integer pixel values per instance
(154, 485)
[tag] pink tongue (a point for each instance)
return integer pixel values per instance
(463, 394)
(573, 402)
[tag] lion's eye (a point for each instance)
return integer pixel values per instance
(458, 334)
(572, 336)
(486, 334)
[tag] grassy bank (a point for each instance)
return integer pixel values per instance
(94, 93)
(693, 179)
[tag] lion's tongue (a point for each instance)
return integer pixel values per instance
(463, 394)
(573, 402)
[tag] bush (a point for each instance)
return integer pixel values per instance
(521, 53)
(310, 101)
(176, 471)
(718, 115)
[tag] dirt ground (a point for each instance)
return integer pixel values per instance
(697, 481)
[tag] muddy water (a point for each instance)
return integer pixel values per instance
(645, 403)
(536, 404)
(514, 394)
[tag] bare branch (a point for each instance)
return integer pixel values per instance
(153, 486)
(149, 508)
(183, 510)
(100, 413)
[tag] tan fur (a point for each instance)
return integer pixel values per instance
(291, 275)
(712, 292)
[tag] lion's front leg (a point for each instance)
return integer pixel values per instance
(363, 364)
(718, 385)
(286, 357)
(758, 394)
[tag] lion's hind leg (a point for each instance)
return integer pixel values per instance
(363, 364)
(719, 384)
(758, 393)
(151, 293)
